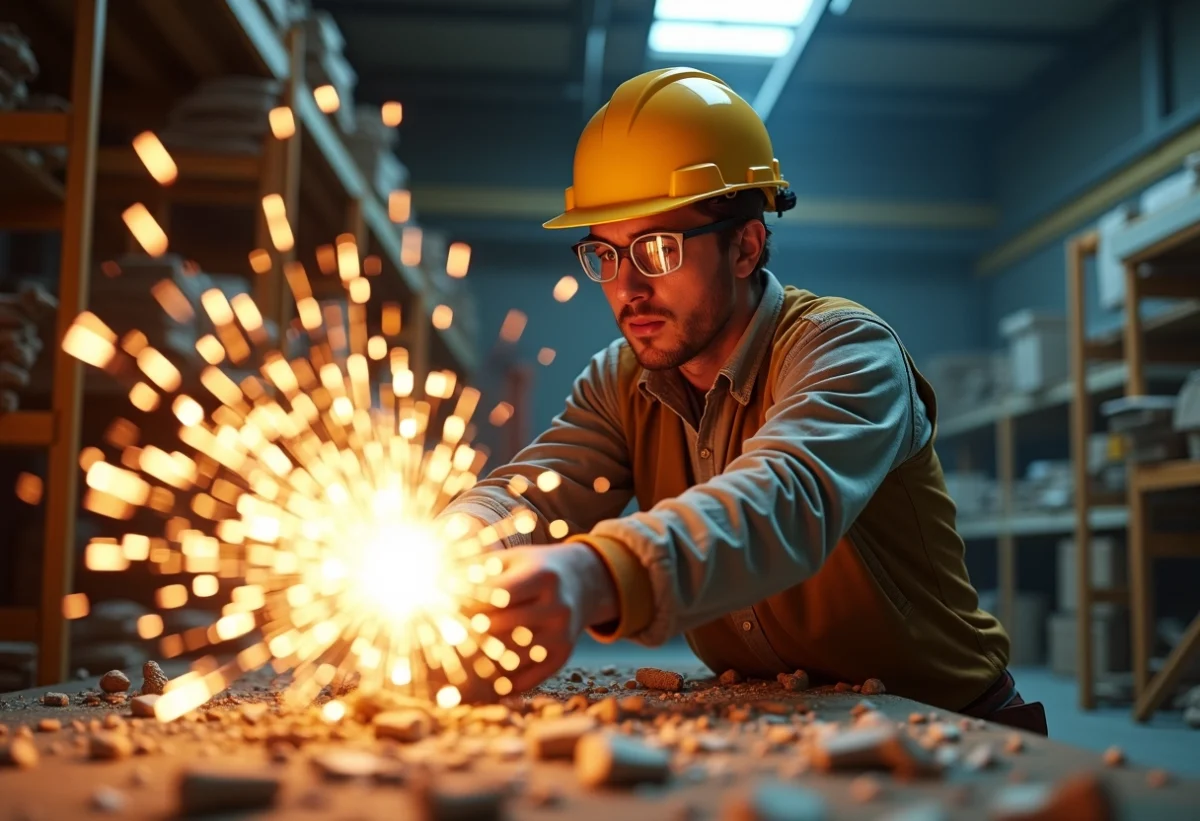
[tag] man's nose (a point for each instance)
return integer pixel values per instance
(632, 285)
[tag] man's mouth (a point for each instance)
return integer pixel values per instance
(645, 326)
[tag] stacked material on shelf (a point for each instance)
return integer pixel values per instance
(1108, 568)
(974, 494)
(226, 114)
(1110, 621)
(122, 296)
(373, 144)
(1175, 188)
(1106, 463)
(1187, 414)
(1146, 422)
(18, 66)
(967, 380)
(1110, 271)
(1048, 484)
(1037, 347)
(1028, 632)
(326, 64)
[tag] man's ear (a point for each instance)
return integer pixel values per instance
(748, 249)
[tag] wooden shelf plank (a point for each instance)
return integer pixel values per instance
(212, 166)
(1040, 523)
(1166, 475)
(25, 182)
(26, 429)
(33, 127)
(18, 624)
(1159, 233)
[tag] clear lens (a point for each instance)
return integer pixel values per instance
(657, 254)
(599, 260)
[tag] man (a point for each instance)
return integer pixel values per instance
(793, 513)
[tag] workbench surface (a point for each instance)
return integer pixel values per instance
(67, 783)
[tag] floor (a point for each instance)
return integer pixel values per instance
(1165, 741)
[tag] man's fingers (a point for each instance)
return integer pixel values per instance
(522, 584)
(544, 621)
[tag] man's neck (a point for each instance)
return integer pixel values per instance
(701, 371)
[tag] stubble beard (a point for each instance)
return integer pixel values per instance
(697, 332)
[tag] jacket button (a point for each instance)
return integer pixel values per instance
(705, 453)
(747, 626)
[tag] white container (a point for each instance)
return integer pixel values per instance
(1108, 570)
(1037, 349)
(1110, 642)
(1110, 271)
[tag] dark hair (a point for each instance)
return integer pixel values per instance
(748, 204)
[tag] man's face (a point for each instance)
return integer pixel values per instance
(669, 320)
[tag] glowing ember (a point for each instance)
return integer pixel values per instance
(303, 498)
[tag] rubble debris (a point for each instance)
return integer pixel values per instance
(1014, 743)
(109, 747)
(917, 718)
(843, 687)
(774, 801)
(654, 679)
(873, 748)
(206, 793)
(1083, 797)
(143, 706)
(49, 725)
(438, 802)
(873, 687)
(108, 799)
(981, 757)
(56, 700)
(115, 699)
(631, 684)
(154, 680)
(558, 738)
(730, 677)
(1157, 779)
(347, 764)
(943, 732)
(405, 726)
(794, 682)
(1114, 756)
(20, 753)
(865, 788)
(604, 760)
(114, 681)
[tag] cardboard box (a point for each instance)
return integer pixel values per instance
(1037, 349)
(1110, 642)
(1108, 569)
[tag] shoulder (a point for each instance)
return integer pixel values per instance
(808, 319)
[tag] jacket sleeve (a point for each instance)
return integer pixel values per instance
(584, 443)
(842, 419)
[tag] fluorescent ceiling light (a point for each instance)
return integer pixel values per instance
(672, 37)
(760, 12)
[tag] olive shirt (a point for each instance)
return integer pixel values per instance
(801, 522)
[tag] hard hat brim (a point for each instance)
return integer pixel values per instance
(618, 212)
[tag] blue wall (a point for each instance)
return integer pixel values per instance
(1071, 140)
(930, 300)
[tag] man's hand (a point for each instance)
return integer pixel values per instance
(555, 591)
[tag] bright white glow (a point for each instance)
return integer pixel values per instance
(760, 12)
(769, 42)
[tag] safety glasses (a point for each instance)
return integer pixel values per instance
(655, 254)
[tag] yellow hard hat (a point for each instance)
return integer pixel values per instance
(666, 139)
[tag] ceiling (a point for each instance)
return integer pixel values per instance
(528, 73)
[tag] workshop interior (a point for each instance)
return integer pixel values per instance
(275, 288)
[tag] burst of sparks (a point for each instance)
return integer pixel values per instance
(304, 493)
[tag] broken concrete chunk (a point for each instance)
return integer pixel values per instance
(774, 801)
(873, 687)
(873, 748)
(114, 681)
(143, 706)
(1014, 743)
(56, 700)
(942, 731)
(406, 726)
(20, 753)
(1083, 797)
(49, 725)
(439, 802)
(206, 793)
(110, 746)
(154, 680)
(557, 738)
(1114, 756)
(730, 677)
(604, 760)
(347, 764)
(981, 757)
